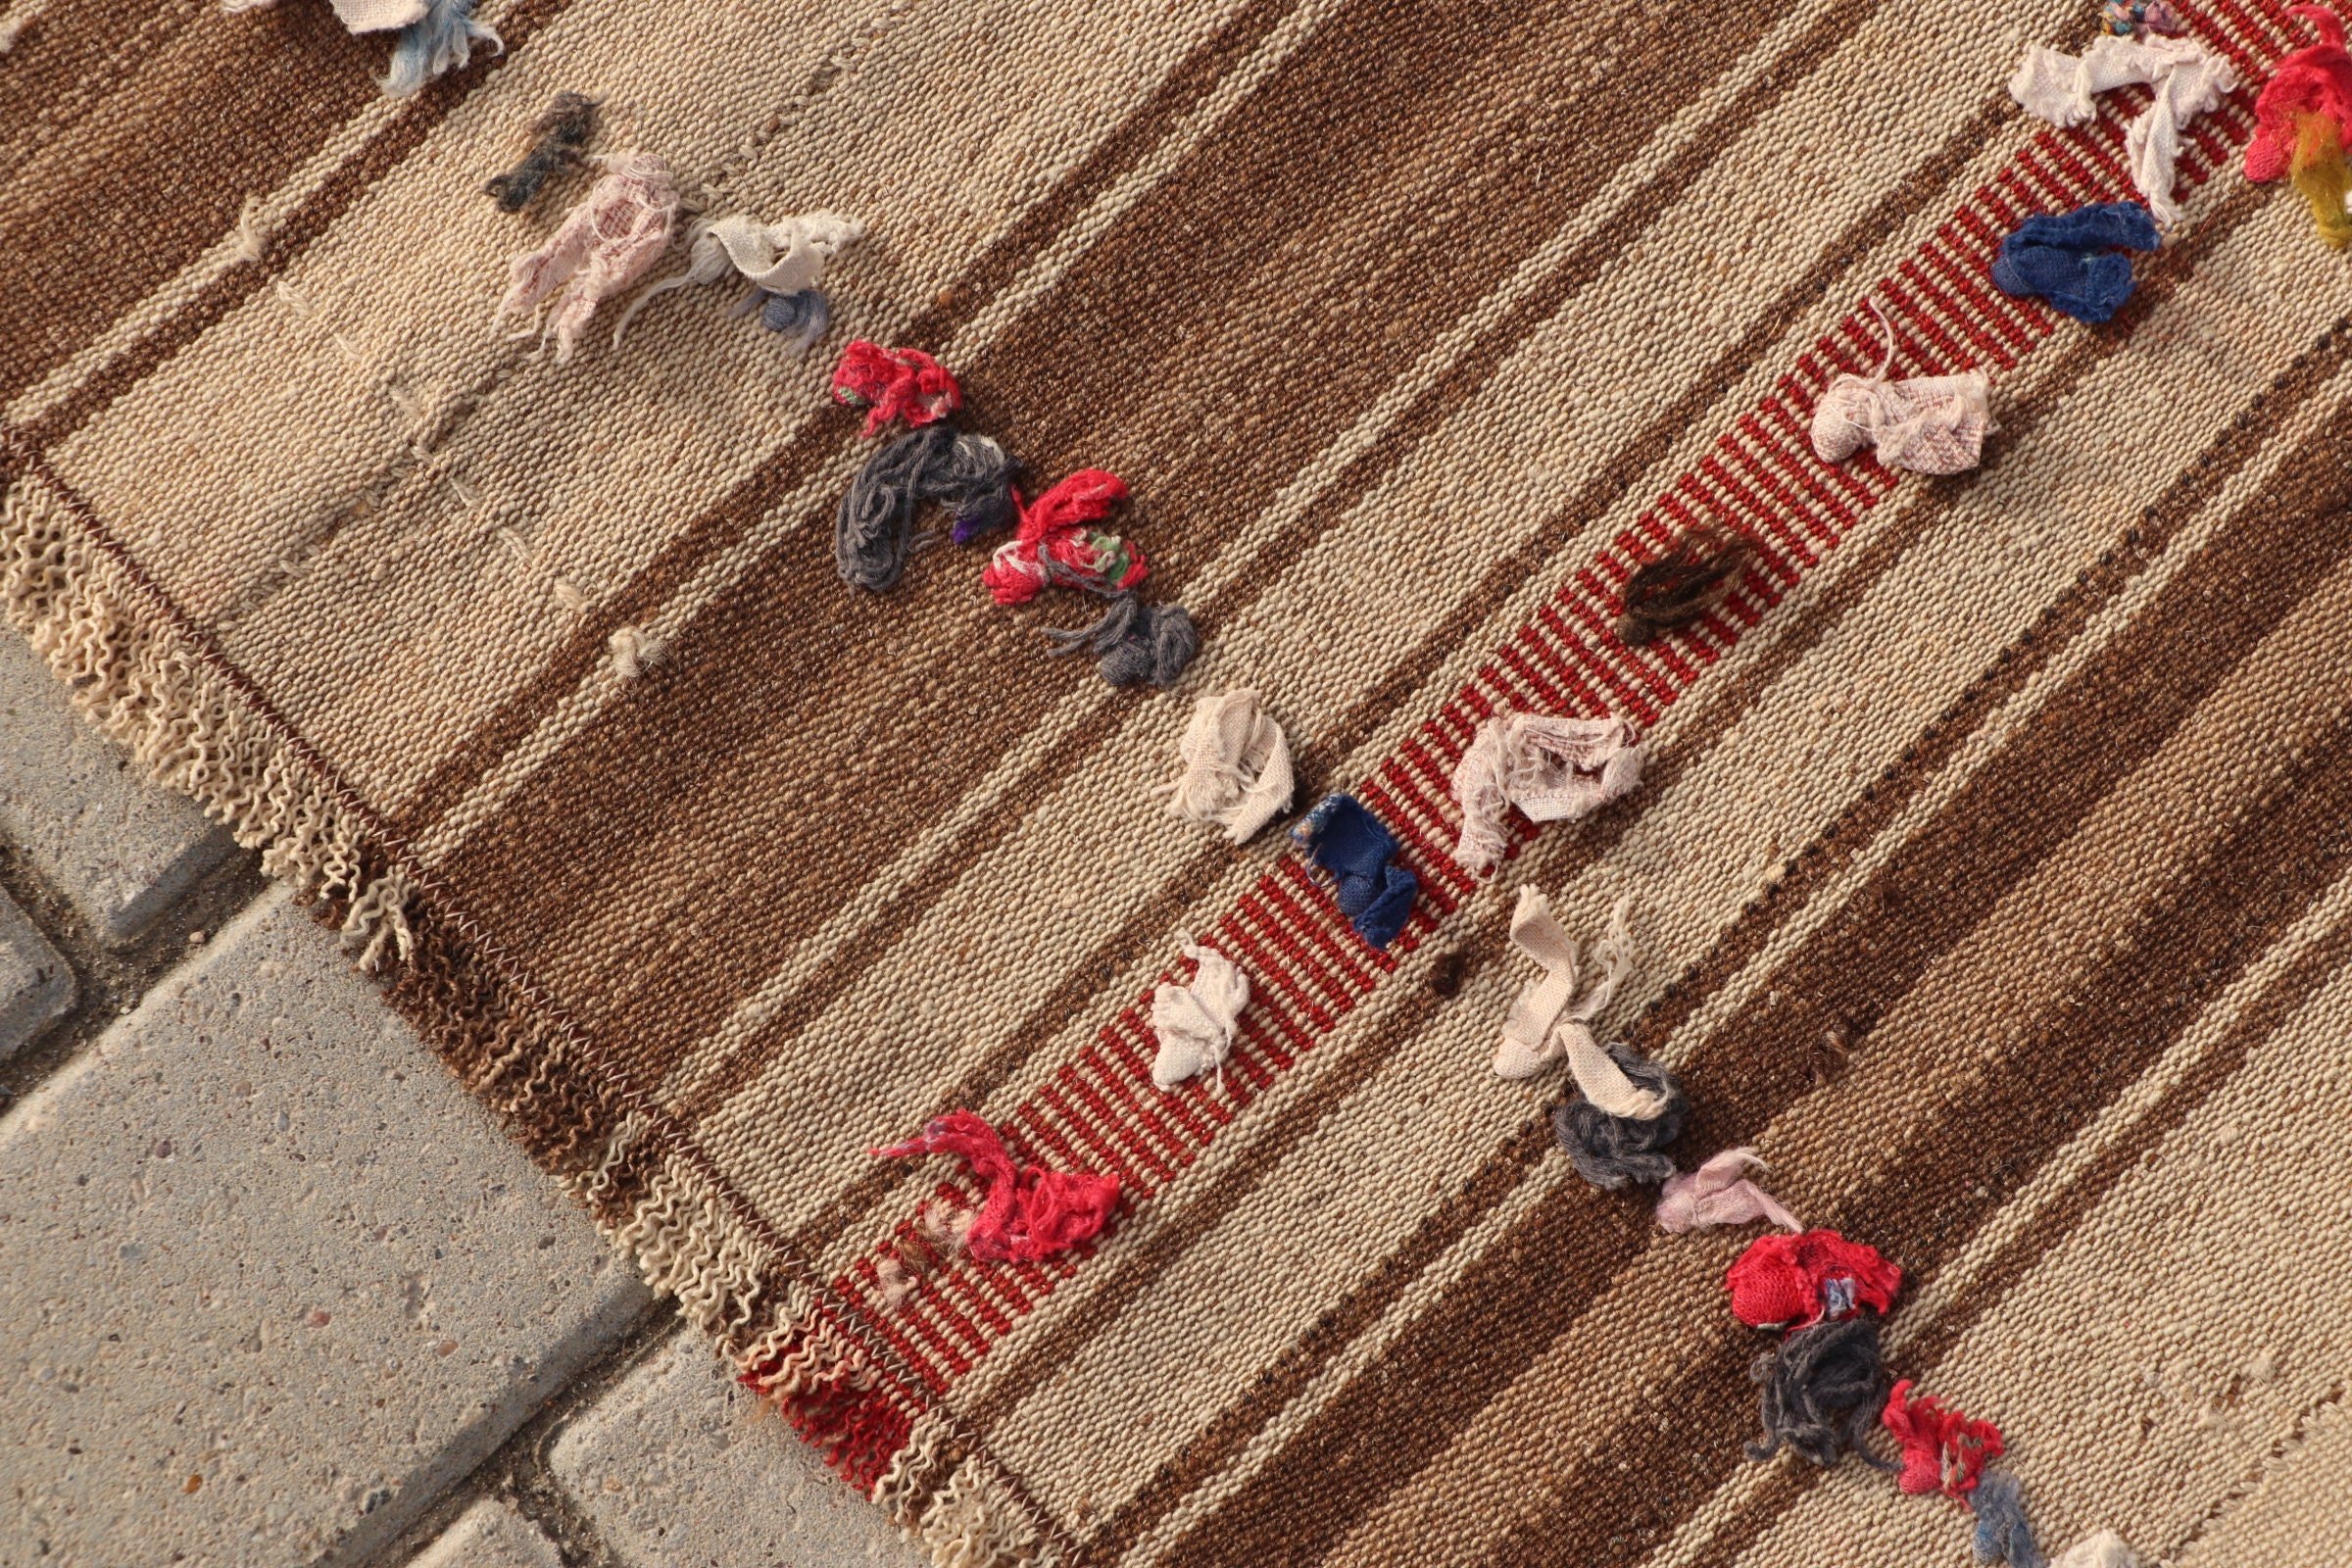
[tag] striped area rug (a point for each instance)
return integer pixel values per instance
(1993, 874)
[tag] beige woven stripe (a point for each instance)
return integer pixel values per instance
(1763, 792)
(1680, 888)
(1325, 616)
(809, 503)
(2290, 1514)
(2155, 1361)
(269, 209)
(1947, 1035)
(592, 465)
(1106, 840)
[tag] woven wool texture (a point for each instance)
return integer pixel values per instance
(1989, 869)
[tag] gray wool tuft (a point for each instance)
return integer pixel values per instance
(968, 475)
(1610, 1152)
(1822, 1391)
(1135, 644)
(2002, 1534)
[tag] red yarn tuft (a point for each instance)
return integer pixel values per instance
(2316, 81)
(893, 384)
(1029, 1212)
(1943, 1451)
(1784, 1281)
(1056, 544)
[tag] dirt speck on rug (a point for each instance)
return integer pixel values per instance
(1988, 865)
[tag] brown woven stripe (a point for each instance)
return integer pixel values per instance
(1930, 896)
(72, 60)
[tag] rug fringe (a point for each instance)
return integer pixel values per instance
(136, 672)
(140, 681)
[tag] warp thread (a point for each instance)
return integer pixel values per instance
(1820, 1391)
(1795, 1281)
(1926, 424)
(1194, 1023)
(618, 229)
(2105, 1549)
(1719, 1193)
(894, 385)
(1943, 1451)
(1610, 1150)
(1236, 766)
(440, 40)
(780, 260)
(2071, 258)
(2002, 1534)
(874, 529)
(634, 652)
(1135, 644)
(1548, 1020)
(2123, 18)
(1684, 584)
(560, 137)
(1351, 846)
(1029, 1212)
(2316, 79)
(2185, 80)
(2322, 180)
(1055, 543)
(1554, 769)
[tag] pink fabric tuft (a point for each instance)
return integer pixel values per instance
(606, 243)
(2315, 80)
(1718, 1194)
(1796, 1281)
(1030, 1212)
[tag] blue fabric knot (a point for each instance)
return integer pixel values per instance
(2002, 1534)
(2070, 260)
(1349, 842)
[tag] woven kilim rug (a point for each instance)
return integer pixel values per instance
(1990, 874)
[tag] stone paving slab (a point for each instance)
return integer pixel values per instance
(36, 989)
(490, 1535)
(679, 1467)
(270, 1280)
(119, 848)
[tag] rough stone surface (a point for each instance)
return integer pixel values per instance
(36, 989)
(270, 1280)
(490, 1535)
(680, 1468)
(120, 848)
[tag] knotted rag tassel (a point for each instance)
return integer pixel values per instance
(1554, 769)
(1054, 544)
(893, 385)
(1135, 644)
(559, 138)
(1943, 1451)
(2106, 1550)
(2186, 80)
(1678, 588)
(1194, 1023)
(1718, 1193)
(2313, 81)
(441, 41)
(2070, 260)
(783, 259)
(2125, 18)
(874, 528)
(1801, 1279)
(2322, 180)
(605, 244)
(1349, 845)
(2002, 1534)
(1030, 1213)
(1927, 424)
(1550, 1020)
(1236, 766)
